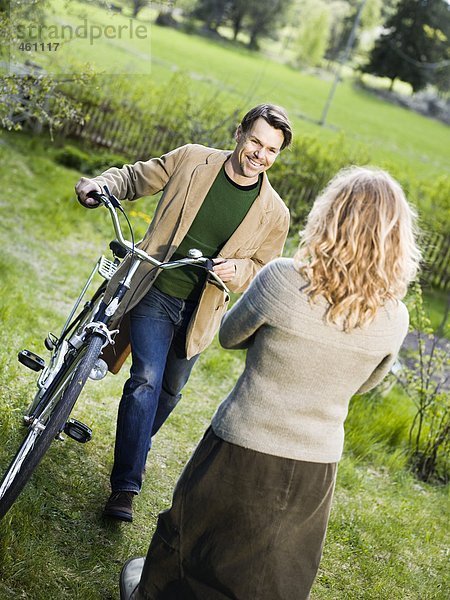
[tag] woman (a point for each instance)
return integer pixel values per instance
(251, 508)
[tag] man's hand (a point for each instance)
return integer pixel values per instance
(82, 189)
(224, 268)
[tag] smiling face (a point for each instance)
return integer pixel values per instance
(255, 152)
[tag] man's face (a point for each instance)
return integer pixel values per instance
(257, 149)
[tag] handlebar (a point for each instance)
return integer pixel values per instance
(196, 258)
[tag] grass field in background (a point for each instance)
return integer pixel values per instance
(393, 137)
(387, 535)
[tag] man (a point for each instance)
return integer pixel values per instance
(221, 203)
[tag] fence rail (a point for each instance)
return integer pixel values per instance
(130, 135)
(139, 134)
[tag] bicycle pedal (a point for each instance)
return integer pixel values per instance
(31, 360)
(78, 431)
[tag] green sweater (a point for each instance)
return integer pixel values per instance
(222, 211)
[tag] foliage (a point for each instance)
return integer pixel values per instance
(27, 92)
(313, 32)
(415, 44)
(343, 18)
(339, 31)
(38, 100)
(89, 163)
(432, 197)
(211, 12)
(302, 171)
(172, 115)
(259, 18)
(137, 6)
(424, 378)
(264, 16)
(238, 13)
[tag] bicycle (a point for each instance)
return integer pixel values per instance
(76, 354)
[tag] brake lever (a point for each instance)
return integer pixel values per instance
(208, 264)
(114, 201)
(215, 280)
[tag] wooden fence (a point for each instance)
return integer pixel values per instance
(132, 135)
(138, 134)
(436, 264)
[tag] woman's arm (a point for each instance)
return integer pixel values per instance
(378, 374)
(248, 314)
(385, 365)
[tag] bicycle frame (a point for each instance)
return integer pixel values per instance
(98, 315)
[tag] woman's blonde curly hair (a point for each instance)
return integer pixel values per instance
(358, 249)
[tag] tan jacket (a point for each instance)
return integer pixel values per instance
(186, 175)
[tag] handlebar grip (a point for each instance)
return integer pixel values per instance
(95, 196)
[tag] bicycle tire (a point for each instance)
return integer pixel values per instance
(38, 440)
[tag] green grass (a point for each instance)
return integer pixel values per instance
(387, 534)
(412, 145)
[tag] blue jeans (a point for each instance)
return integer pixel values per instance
(158, 373)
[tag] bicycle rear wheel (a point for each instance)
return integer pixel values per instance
(43, 430)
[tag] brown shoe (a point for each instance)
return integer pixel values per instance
(120, 506)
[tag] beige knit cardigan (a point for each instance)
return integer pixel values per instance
(300, 372)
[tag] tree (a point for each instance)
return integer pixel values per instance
(237, 15)
(212, 12)
(259, 18)
(137, 6)
(313, 32)
(343, 17)
(414, 45)
(29, 95)
(264, 16)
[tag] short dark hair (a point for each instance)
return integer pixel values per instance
(274, 115)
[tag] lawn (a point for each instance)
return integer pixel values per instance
(413, 145)
(388, 532)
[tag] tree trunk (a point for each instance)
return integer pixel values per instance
(237, 26)
(253, 43)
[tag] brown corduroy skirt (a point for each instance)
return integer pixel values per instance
(243, 525)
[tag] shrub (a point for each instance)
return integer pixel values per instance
(301, 172)
(424, 377)
(433, 201)
(90, 163)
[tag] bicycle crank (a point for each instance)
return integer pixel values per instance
(78, 431)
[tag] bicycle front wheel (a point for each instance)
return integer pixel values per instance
(50, 423)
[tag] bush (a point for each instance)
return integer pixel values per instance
(91, 163)
(120, 118)
(301, 172)
(433, 201)
(424, 378)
